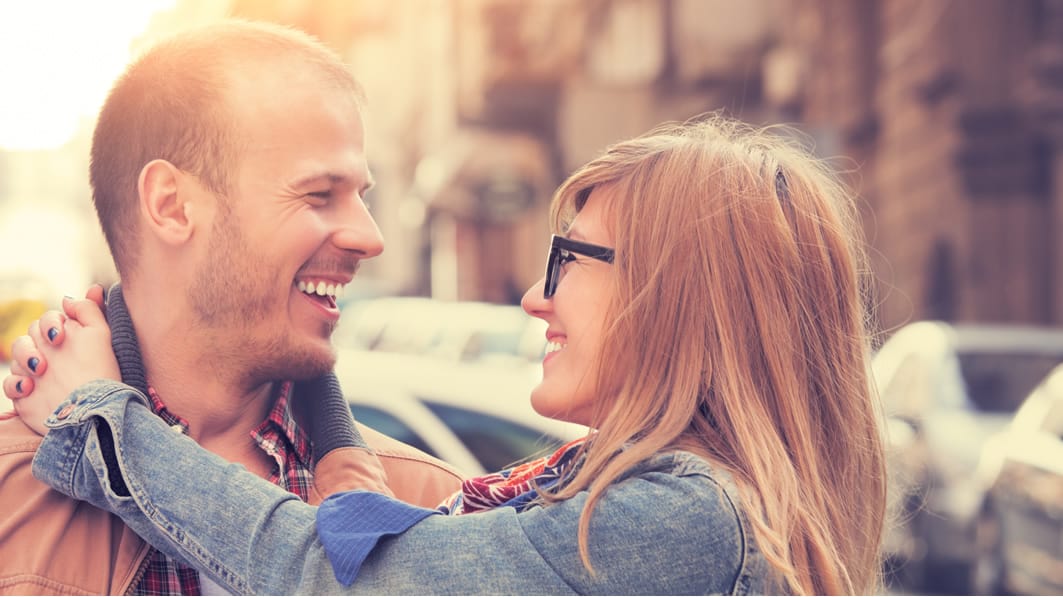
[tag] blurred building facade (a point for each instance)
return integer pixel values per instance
(948, 114)
(953, 111)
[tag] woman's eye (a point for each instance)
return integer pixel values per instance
(566, 258)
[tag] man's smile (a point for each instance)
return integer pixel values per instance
(323, 292)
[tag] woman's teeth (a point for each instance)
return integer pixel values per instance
(552, 346)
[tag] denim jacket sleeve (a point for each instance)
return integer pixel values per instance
(655, 532)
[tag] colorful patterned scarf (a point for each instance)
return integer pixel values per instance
(515, 487)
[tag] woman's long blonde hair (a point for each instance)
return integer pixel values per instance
(738, 331)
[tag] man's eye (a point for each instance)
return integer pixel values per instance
(319, 198)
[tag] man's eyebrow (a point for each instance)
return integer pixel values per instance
(317, 177)
(332, 178)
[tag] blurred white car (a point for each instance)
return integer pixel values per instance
(475, 416)
(1019, 535)
(947, 388)
(455, 330)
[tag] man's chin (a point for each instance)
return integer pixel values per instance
(312, 366)
(299, 364)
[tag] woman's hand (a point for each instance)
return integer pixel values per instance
(43, 374)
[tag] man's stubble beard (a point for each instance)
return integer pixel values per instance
(231, 299)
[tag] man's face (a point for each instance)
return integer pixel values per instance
(291, 232)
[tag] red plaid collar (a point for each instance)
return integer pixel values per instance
(279, 422)
(282, 421)
(279, 436)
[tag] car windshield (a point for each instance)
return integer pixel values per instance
(390, 425)
(496, 443)
(999, 382)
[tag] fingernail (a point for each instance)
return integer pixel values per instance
(18, 386)
(33, 362)
(52, 333)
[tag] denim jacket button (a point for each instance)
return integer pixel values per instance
(64, 412)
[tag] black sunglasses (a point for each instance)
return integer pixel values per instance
(563, 250)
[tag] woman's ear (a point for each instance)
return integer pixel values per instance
(165, 202)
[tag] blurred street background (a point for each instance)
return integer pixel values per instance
(945, 116)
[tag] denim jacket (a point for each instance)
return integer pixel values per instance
(672, 525)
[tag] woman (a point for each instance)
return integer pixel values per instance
(704, 303)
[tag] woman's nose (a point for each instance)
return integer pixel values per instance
(533, 302)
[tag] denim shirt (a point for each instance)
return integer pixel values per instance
(672, 525)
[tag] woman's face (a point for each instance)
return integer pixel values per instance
(575, 315)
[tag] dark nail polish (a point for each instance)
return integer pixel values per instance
(52, 333)
(33, 362)
(18, 386)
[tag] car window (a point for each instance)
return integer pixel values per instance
(390, 425)
(496, 443)
(999, 382)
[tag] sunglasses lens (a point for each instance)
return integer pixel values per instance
(548, 289)
(551, 272)
(563, 250)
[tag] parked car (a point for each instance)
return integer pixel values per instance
(455, 330)
(475, 416)
(1019, 534)
(951, 387)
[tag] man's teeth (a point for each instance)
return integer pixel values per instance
(552, 346)
(322, 288)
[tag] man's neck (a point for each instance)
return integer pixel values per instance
(197, 384)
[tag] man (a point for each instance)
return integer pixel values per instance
(228, 171)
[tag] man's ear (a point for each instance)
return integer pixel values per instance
(165, 202)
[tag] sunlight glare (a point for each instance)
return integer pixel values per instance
(58, 59)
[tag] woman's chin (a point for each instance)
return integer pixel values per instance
(552, 408)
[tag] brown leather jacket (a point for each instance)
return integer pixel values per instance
(51, 544)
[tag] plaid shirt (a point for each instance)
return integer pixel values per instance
(280, 438)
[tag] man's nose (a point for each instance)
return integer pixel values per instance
(357, 231)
